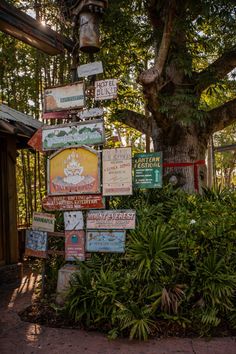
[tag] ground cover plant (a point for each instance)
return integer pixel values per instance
(179, 269)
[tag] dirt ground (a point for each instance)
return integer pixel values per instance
(27, 338)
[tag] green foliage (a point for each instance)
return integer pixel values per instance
(150, 247)
(179, 267)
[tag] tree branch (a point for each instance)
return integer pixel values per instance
(221, 117)
(154, 17)
(217, 70)
(151, 75)
(134, 120)
(166, 38)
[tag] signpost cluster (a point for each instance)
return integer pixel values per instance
(81, 174)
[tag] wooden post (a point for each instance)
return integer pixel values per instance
(43, 277)
(210, 164)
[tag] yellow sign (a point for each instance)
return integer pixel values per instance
(74, 171)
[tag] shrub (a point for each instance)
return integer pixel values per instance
(179, 267)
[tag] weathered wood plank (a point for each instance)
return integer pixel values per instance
(55, 252)
(56, 234)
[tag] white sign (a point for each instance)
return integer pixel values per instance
(90, 69)
(73, 220)
(64, 97)
(111, 219)
(43, 222)
(74, 134)
(106, 89)
(93, 112)
(117, 171)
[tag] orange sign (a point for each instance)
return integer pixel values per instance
(36, 140)
(74, 171)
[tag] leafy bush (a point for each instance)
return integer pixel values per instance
(179, 267)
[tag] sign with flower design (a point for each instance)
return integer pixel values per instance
(74, 171)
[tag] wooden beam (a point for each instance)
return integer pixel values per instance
(7, 127)
(25, 28)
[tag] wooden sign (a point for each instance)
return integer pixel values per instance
(148, 170)
(111, 219)
(56, 115)
(36, 243)
(89, 113)
(117, 171)
(43, 222)
(75, 134)
(64, 97)
(36, 140)
(73, 202)
(90, 69)
(106, 89)
(73, 220)
(74, 245)
(74, 171)
(105, 241)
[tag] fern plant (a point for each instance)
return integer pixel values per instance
(151, 248)
(137, 320)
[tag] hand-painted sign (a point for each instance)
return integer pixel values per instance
(36, 140)
(73, 220)
(117, 171)
(90, 69)
(73, 202)
(74, 171)
(76, 134)
(64, 97)
(105, 241)
(74, 245)
(148, 170)
(36, 243)
(105, 89)
(43, 222)
(93, 112)
(111, 219)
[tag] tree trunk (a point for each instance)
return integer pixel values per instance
(183, 157)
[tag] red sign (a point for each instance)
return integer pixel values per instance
(74, 245)
(56, 115)
(36, 140)
(73, 202)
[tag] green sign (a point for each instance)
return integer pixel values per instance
(148, 170)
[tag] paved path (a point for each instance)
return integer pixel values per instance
(26, 338)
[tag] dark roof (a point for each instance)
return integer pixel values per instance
(16, 123)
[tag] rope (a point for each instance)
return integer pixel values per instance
(195, 165)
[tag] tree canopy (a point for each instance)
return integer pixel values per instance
(175, 63)
(187, 55)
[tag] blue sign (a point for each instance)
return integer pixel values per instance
(36, 243)
(105, 241)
